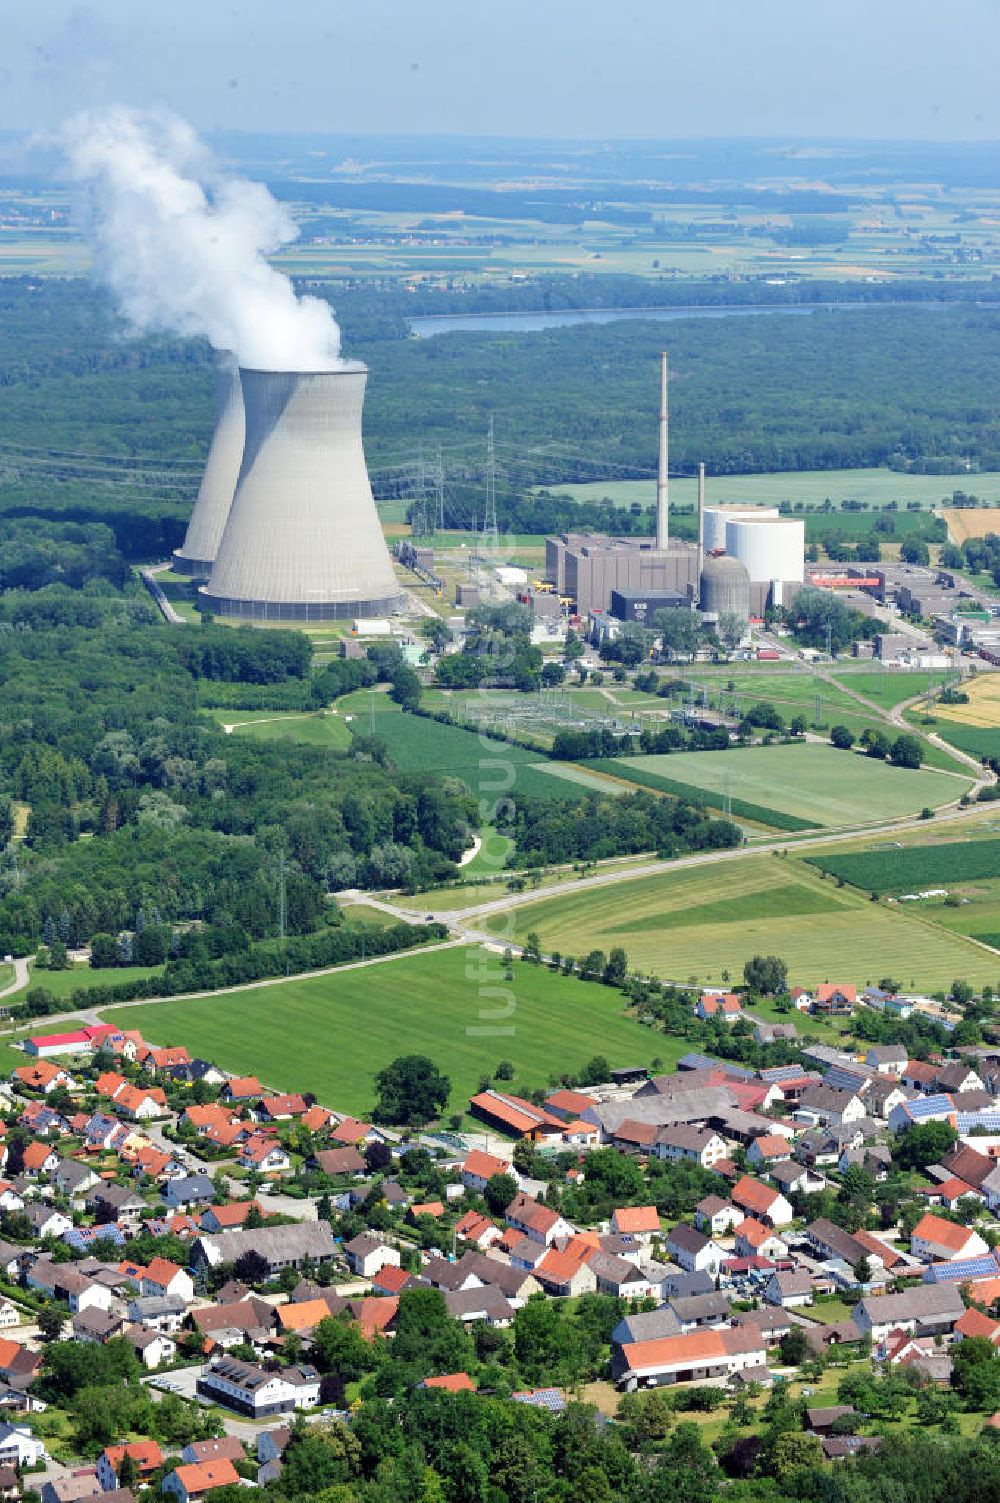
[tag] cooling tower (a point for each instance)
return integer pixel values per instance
(303, 540)
(196, 554)
(770, 547)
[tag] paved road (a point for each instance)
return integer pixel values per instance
(20, 978)
(656, 868)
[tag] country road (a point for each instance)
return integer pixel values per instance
(464, 932)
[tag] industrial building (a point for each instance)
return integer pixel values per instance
(196, 555)
(747, 558)
(303, 541)
(641, 605)
(588, 566)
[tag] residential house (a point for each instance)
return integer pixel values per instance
(39, 1159)
(769, 1149)
(619, 1276)
(97, 1326)
(225, 1447)
(265, 1155)
(110, 1202)
(146, 1455)
(924, 1310)
(479, 1168)
(283, 1108)
(763, 1201)
(715, 1216)
(162, 1277)
(73, 1178)
(565, 1273)
(835, 999)
(340, 1161)
(792, 1178)
(18, 1447)
(755, 1239)
(822, 1106)
(724, 1005)
(163, 1313)
(44, 1077)
(241, 1088)
(789, 1290)
(45, 1220)
(934, 1240)
(532, 1219)
(693, 1250)
(366, 1254)
(191, 1190)
(639, 1222)
(698, 1145)
(887, 1059)
(478, 1229)
(188, 1484)
(153, 1348)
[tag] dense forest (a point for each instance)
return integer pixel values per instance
(100, 736)
(98, 427)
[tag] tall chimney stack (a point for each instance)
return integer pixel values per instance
(701, 512)
(662, 524)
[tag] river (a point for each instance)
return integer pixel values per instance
(536, 319)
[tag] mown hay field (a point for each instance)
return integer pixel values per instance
(697, 923)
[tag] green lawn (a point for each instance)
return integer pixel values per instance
(63, 983)
(695, 923)
(331, 1034)
(810, 781)
(318, 729)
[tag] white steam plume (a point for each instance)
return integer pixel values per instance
(183, 246)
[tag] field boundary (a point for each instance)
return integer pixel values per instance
(913, 867)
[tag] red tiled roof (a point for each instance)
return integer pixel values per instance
(943, 1233)
(630, 1219)
(452, 1383)
(753, 1196)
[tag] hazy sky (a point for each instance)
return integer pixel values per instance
(593, 68)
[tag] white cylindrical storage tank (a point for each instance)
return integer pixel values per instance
(303, 541)
(196, 555)
(716, 518)
(770, 547)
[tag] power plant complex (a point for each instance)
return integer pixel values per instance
(285, 528)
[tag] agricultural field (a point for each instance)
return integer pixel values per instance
(888, 687)
(417, 744)
(983, 708)
(874, 487)
(901, 871)
(331, 1034)
(975, 742)
(964, 523)
(811, 782)
(701, 924)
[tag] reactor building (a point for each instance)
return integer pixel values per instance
(302, 540)
(196, 555)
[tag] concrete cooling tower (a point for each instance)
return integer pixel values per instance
(196, 554)
(303, 540)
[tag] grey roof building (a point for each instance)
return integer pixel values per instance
(279, 1246)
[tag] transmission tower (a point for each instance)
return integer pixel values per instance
(491, 536)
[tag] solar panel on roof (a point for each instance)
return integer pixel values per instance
(962, 1269)
(781, 1072)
